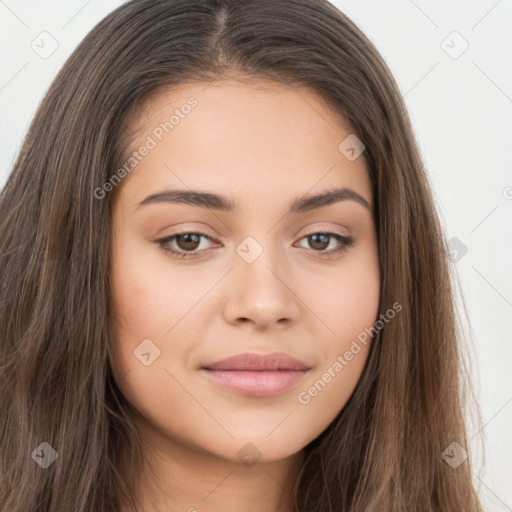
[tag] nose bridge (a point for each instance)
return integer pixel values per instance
(260, 261)
(261, 291)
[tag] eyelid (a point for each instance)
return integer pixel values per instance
(324, 229)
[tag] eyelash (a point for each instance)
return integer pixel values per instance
(346, 241)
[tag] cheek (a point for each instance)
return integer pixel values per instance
(341, 363)
(323, 397)
(137, 312)
(345, 301)
(149, 315)
(349, 308)
(148, 300)
(144, 309)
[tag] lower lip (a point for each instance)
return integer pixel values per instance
(256, 383)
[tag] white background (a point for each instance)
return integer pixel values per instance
(461, 110)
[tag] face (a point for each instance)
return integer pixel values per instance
(197, 279)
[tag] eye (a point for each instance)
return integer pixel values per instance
(320, 241)
(188, 243)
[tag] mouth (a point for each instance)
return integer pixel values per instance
(257, 375)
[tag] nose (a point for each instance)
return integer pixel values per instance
(262, 293)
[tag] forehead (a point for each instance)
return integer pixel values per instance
(255, 138)
(254, 102)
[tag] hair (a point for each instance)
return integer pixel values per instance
(383, 451)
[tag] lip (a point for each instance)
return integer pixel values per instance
(253, 374)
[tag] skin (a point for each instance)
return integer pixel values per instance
(263, 145)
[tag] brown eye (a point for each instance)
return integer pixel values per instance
(319, 241)
(184, 245)
(188, 241)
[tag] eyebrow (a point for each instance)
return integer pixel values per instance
(222, 203)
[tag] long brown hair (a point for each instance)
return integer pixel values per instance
(384, 450)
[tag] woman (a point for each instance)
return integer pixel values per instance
(302, 354)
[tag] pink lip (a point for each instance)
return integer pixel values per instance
(257, 375)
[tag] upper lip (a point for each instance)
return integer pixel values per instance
(251, 361)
